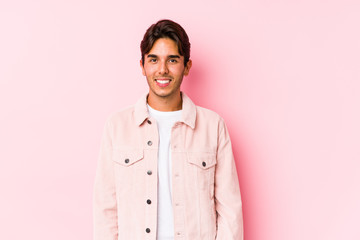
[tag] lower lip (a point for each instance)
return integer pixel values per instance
(162, 84)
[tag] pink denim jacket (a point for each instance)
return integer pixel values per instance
(206, 194)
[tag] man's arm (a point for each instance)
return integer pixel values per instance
(104, 198)
(227, 191)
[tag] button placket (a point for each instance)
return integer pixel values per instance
(150, 144)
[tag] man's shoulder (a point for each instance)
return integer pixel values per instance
(120, 115)
(208, 114)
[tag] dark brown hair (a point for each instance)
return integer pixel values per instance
(166, 28)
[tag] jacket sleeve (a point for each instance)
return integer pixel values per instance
(228, 202)
(104, 194)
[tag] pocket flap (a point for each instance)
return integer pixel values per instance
(127, 157)
(203, 160)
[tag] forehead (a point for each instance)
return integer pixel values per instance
(164, 46)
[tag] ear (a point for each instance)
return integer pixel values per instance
(142, 67)
(187, 67)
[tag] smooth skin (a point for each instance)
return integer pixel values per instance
(163, 62)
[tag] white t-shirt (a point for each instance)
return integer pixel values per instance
(165, 122)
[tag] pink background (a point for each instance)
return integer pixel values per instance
(283, 74)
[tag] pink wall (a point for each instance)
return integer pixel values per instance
(283, 74)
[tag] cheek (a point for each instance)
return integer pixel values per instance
(149, 70)
(177, 70)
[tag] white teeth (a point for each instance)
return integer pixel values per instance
(163, 81)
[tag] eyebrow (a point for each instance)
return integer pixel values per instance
(155, 56)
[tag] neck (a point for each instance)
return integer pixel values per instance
(167, 104)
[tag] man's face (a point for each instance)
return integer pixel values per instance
(164, 68)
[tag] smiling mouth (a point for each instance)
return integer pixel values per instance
(163, 81)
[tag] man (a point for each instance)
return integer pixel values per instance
(166, 168)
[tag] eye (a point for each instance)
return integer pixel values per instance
(152, 60)
(173, 60)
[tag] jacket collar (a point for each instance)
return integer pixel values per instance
(188, 115)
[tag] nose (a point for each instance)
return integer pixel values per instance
(163, 69)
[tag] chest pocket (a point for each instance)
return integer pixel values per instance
(202, 170)
(128, 165)
(128, 157)
(203, 160)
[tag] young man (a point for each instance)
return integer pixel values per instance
(166, 168)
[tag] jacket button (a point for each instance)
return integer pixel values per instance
(204, 164)
(149, 172)
(148, 201)
(127, 160)
(148, 121)
(148, 230)
(149, 143)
